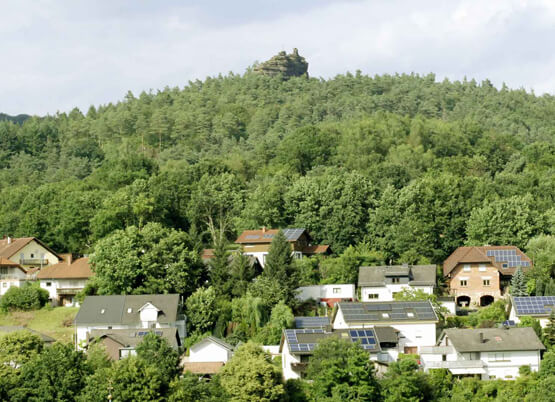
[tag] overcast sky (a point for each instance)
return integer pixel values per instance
(58, 54)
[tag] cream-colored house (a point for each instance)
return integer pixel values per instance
(29, 252)
(11, 274)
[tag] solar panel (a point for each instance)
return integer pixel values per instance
(534, 304)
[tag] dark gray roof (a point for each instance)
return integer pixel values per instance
(378, 312)
(130, 338)
(387, 334)
(312, 322)
(215, 340)
(494, 339)
(534, 305)
(7, 329)
(114, 309)
(304, 341)
(419, 275)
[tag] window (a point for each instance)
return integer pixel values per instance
(485, 282)
(505, 265)
(32, 255)
(373, 296)
(482, 267)
(466, 267)
(500, 357)
(129, 310)
(464, 282)
(336, 290)
(395, 280)
(48, 284)
(4, 271)
(102, 311)
(385, 315)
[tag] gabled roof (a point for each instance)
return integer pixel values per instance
(10, 246)
(312, 322)
(130, 338)
(493, 339)
(511, 256)
(419, 275)
(79, 269)
(267, 235)
(4, 262)
(7, 329)
(534, 305)
(386, 312)
(124, 309)
(217, 341)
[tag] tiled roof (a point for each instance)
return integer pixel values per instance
(132, 337)
(479, 254)
(319, 249)
(10, 246)
(4, 262)
(267, 235)
(422, 275)
(79, 269)
(493, 339)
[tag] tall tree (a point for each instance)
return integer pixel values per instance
(279, 265)
(518, 284)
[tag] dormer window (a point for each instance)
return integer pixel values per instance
(505, 265)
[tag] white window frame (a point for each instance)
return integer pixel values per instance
(466, 267)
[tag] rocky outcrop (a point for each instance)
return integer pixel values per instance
(288, 65)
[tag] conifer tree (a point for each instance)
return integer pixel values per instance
(549, 331)
(219, 264)
(242, 273)
(518, 284)
(279, 265)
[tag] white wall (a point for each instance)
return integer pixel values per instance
(385, 293)
(207, 351)
(261, 256)
(286, 360)
(514, 360)
(339, 291)
(56, 284)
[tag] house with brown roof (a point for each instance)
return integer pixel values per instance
(29, 252)
(64, 280)
(479, 275)
(11, 274)
(257, 243)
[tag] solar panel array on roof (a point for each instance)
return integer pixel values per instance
(252, 237)
(366, 337)
(393, 311)
(311, 322)
(292, 340)
(508, 256)
(541, 305)
(292, 234)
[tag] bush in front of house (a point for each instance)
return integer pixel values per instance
(26, 297)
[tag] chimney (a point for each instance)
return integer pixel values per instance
(481, 335)
(9, 240)
(263, 229)
(69, 259)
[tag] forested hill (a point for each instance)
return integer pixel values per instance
(20, 118)
(411, 167)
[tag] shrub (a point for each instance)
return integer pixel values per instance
(26, 297)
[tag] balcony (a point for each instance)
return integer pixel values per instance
(68, 291)
(33, 261)
(458, 366)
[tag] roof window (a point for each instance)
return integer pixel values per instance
(410, 315)
(102, 310)
(129, 310)
(385, 315)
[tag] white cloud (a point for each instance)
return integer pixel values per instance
(61, 54)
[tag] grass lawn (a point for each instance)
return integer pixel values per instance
(56, 322)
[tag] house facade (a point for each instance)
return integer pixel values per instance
(538, 307)
(327, 294)
(381, 283)
(11, 274)
(297, 346)
(257, 243)
(29, 252)
(65, 280)
(489, 353)
(207, 356)
(414, 321)
(128, 312)
(477, 276)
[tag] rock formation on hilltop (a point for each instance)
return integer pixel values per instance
(289, 65)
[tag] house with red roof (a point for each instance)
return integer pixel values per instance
(479, 275)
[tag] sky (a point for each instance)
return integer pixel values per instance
(59, 54)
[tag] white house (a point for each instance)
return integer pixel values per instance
(538, 307)
(380, 283)
(128, 312)
(11, 274)
(297, 346)
(207, 356)
(491, 353)
(328, 294)
(64, 280)
(415, 321)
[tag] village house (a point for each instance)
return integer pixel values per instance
(121, 343)
(297, 346)
(326, 294)
(480, 275)
(128, 312)
(207, 356)
(257, 243)
(29, 252)
(415, 321)
(11, 274)
(381, 283)
(65, 280)
(538, 307)
(490, 353)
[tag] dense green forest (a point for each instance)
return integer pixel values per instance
(410, 167)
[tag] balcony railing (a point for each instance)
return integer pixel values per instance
(456, 365)
(33, 261)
